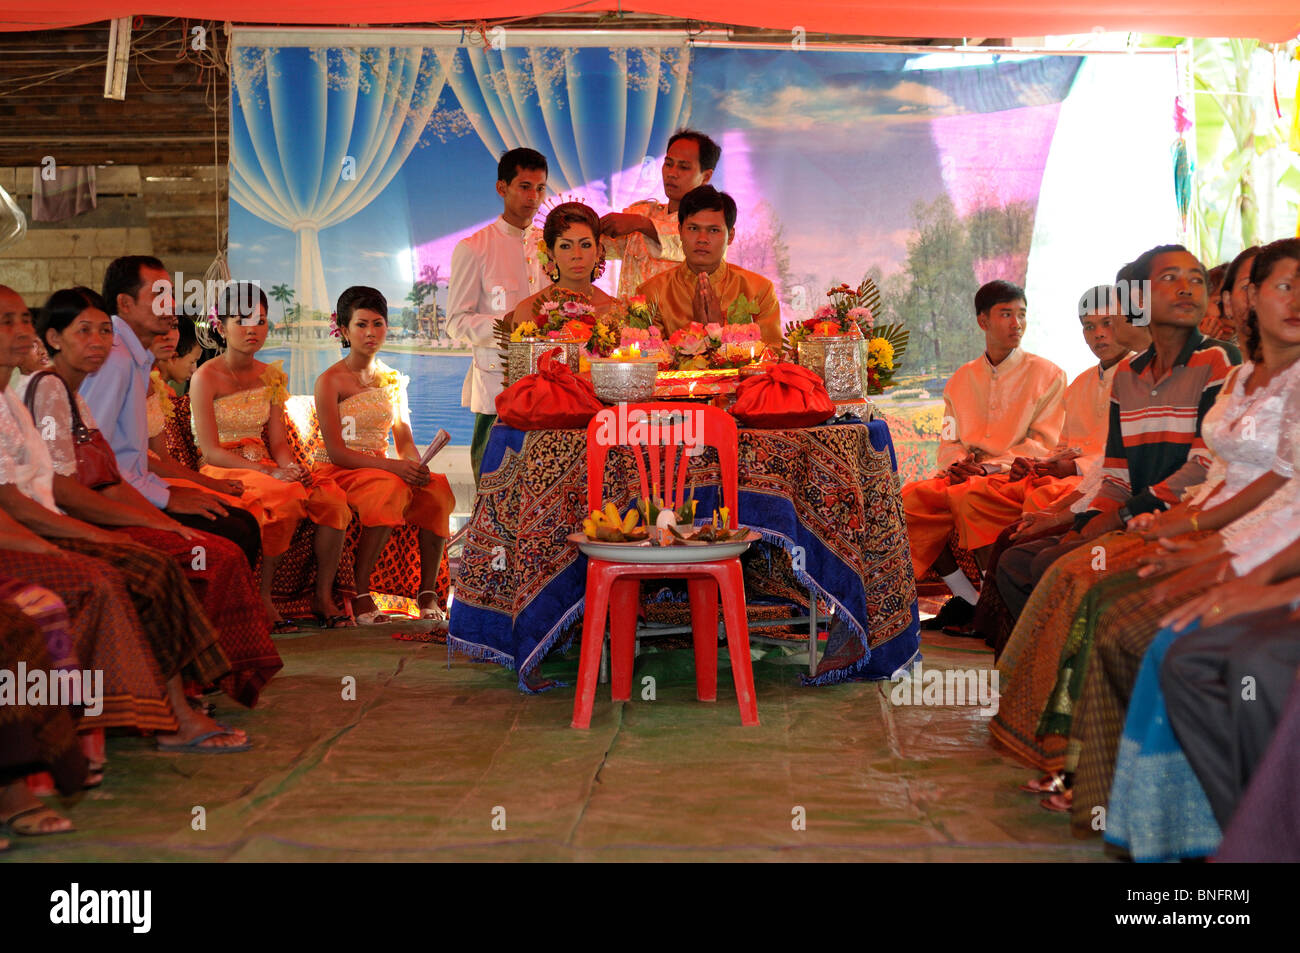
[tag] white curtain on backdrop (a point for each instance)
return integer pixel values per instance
(308, 162)
(597, 114)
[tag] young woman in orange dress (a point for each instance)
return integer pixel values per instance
(359, 401)
(235, 400)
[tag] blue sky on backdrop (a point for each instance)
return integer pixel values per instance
(841, 145)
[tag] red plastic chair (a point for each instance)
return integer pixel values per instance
(613, 588)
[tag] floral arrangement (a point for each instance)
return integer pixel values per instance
(847, 314)
(564, 315)
(628, 327)
(850, 313)
(644, 341)
(701, 347)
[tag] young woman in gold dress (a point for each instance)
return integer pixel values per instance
(359, 401)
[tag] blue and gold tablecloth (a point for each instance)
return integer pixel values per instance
(826, 500)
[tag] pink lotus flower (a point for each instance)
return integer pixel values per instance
(692, 340)
(747, 333)
(713, 330)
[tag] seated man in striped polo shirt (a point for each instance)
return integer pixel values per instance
(1154, 451)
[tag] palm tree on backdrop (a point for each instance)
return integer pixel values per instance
(425, 287)
(283, 294)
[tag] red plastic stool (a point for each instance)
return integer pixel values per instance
(613, 589)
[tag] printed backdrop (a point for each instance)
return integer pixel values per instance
(355, 164)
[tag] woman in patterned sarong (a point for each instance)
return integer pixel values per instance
(371, 397)
(158, 606)
(35, 737)
(72, 326)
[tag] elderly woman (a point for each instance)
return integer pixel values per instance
(157, 634)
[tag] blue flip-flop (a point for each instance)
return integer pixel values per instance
(195, 745)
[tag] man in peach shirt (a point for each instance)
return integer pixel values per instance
(645, 236)
(703, 288)
(1047, 487)
(1007, 403)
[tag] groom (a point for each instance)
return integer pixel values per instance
(704, 288)
(491, 272)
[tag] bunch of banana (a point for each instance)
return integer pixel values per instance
(607, 526)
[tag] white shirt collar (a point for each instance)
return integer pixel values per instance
(505, 228)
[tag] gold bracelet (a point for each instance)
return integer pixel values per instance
(1195, 528)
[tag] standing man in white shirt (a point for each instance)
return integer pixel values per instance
(491, 272)
(1007, 403)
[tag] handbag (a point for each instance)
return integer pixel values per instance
(554, 398)
(96, 462)
(786, 396)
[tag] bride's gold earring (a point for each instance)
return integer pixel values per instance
(600, 266)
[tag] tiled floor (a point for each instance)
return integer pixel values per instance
(431, 763)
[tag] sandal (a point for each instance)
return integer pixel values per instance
(1058, 803)
(284, 627)
(196, 745)
(1051, 783)
(31, 822)
(377, 617)
(431, 613)
(339, 621)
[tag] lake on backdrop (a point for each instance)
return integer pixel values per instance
(434, 392)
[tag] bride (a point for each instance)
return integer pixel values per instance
(571, 237)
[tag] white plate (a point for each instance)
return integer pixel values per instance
(643, 552)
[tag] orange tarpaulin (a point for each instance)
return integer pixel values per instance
(1269, 20)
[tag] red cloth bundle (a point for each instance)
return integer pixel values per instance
(786, 396)
(554, 398)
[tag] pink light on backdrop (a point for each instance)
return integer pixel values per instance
(629, 185)
(994, 158)
(739, 175)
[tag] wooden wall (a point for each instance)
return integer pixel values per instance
(162, 210)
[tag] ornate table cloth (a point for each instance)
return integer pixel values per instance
(825, 499)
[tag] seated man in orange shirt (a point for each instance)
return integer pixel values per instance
(984, 506)
(1007, 403)
(703, 288)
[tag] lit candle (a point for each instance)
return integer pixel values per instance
(691, 388)
(636, 351)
